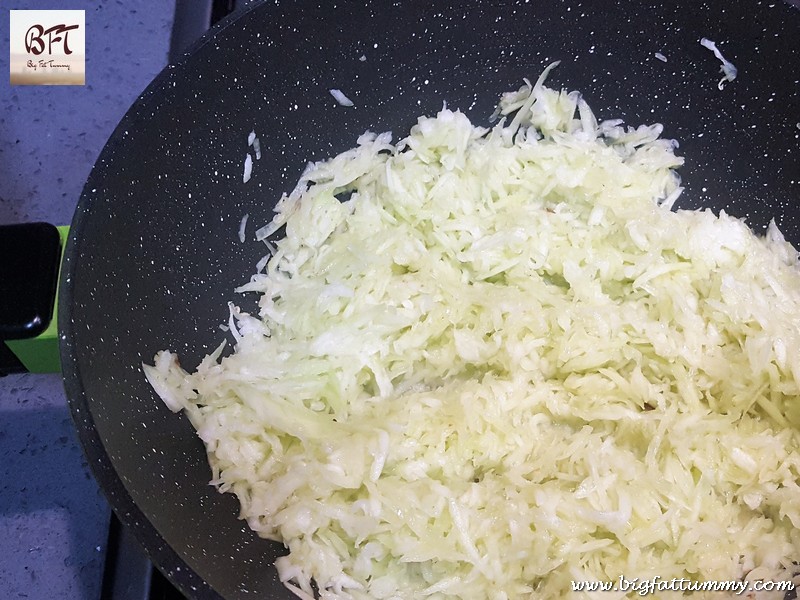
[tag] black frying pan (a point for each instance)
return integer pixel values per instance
(154, 253)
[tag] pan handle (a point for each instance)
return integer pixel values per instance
(30, 262)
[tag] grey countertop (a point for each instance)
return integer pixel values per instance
(53, 518)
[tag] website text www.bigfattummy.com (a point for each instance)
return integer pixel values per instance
(643, 587)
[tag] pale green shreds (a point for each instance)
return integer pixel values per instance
(493, 361)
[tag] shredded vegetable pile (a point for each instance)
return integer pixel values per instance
(489, 362)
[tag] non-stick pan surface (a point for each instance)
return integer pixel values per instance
(154, 253)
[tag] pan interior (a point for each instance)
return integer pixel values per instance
(155, 254)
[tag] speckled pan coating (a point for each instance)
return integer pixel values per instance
(154, 254)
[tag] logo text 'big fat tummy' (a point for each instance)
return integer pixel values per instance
(47, 47)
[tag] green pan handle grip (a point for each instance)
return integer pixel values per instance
(40, 354)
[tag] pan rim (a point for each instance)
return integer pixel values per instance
(171, 564)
